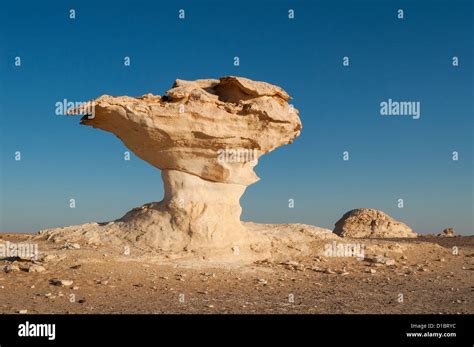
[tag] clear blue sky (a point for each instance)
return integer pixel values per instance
(390, 157)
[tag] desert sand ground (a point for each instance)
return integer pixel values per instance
(426, 278)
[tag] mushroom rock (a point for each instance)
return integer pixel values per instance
(371, 223)
(206, 137)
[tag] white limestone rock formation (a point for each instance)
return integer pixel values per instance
(371, 223)
(206, 137)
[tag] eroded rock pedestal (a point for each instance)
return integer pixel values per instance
(206, 136)
(194, 213)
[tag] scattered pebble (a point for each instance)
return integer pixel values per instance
(317, 269)
(380, 259)
(36, 268)
(291, 264)
(61, 283)
(69, 245)
(342, 272)
(10, 268)
(180, 277)
(48, 257)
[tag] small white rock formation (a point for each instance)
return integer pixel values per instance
(448, 232)
(371, 223)
(206, 137)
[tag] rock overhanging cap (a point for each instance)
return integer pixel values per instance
(189, 128)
